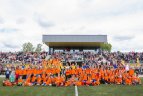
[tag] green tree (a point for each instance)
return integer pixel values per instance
(27, 47)
(106, 46)
(38, 48)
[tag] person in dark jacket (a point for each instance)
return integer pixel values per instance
(7, 73)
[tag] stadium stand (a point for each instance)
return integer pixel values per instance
(69, 67)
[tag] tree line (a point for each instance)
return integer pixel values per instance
(106, 47)
(28, 47)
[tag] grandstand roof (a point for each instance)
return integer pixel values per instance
(74, 40)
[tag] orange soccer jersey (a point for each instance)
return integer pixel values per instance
(33, 78)
(57, 71)
(93, 76)
(68, 83)
(39, 80)
(7, 83)
(78, 83)
(88, 71)
(49, 81)
(44, 79)
(17, 71)
(111, 79)
(84, 77)
(24, 72)
(118, 80)
(73, 71)
(68, 72)
(89, 80)
(20, 80)
(131, 72)
(128, 81)
(27, 82)
(58, 80)
(43, 75)
(20, 72)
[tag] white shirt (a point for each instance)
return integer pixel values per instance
(127, 67)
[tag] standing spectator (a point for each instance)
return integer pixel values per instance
(12, 77)
(7, 73)
(1, 69)
(127, 67)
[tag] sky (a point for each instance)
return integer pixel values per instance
(26, 20)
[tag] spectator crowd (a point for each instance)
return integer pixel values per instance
(21, 57)
(36, 58)
(70, 68)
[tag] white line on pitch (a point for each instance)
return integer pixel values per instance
(76, 91)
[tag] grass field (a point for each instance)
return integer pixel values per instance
(102, 90)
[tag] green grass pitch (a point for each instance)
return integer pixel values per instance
(102, 90)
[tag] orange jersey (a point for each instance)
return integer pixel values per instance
(34, 71)
(57, 70)
(73, 71)
(78, 83)
(85, 77)
(20, 72)
(128, 81)
(43, 75)
(131, 72)
(68, 72)
(48, 71)
(17, 71)
(49, 81)
(88, 71)
(20, 80)
(58, 79)
(44, 79)
(106, 78)
(39, 80)
(79, 70)
(24, 72)
(34, 78)
(93, 76)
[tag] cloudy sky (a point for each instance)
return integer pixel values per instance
(26, 20)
